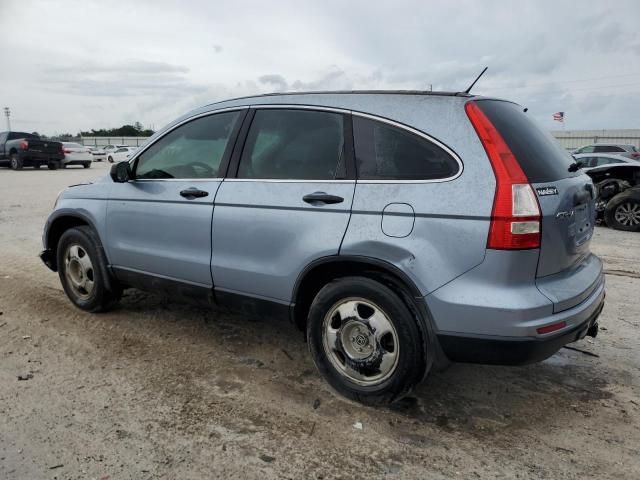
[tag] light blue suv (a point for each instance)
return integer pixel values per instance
(399, 230)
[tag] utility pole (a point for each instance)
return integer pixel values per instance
(7, 113)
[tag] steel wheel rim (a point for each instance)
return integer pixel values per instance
(79, 271)
(628, 214)
(360, 341)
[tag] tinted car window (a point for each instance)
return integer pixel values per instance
(15, 135)
(193, 150)
(294, 144)
(539, 154)
(588, 149)
(607, 148)
(385, 152)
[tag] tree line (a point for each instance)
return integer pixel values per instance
(135, 130)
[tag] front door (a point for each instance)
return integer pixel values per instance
(159, 224)
(288, 204)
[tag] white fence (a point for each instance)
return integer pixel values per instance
(104, 141)
(572, 139)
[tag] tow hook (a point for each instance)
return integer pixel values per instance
(593, 330)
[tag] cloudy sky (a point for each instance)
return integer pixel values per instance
(71, 65)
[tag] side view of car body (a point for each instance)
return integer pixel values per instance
(399, 230)
(625, 150)
(20, 149)
(120, 154)
(76, 154)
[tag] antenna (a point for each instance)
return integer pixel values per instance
(474, 82)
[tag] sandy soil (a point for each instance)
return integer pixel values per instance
(156, 389)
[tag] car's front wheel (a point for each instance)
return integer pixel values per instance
(623, 213)
(110, 159)
(82, 268)
(365, 341)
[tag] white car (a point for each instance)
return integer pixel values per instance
(121, 154)
(98, 154)
(76, 154)
(112, 148)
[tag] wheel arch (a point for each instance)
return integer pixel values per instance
(62, 221)
(322, 271)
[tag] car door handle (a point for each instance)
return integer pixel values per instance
(193, 193)
(321, 197)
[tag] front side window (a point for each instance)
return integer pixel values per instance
(193, 150)
(294, 144)
(385, 152)
(608, 148)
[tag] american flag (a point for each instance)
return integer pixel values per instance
(558, 116)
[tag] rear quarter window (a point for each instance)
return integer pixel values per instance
(386, 152)
(540, 156)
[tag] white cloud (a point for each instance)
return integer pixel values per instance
(72, 64)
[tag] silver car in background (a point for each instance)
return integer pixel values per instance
(625, 150)
(76, 154)
(398, 230)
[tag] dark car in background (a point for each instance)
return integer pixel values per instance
(20, 149)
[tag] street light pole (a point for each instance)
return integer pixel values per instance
(7, 113)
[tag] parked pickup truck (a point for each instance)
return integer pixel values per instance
(20, 149)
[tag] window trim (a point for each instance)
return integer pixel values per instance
(224, 162)
(232, 173)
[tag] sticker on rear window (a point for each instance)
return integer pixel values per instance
(544, 191)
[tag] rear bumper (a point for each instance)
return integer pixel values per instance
(515, 351)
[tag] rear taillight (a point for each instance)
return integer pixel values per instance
(515, 218)
(24, 145)
(66, 150)
(635, 154)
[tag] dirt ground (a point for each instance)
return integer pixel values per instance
(156, 389)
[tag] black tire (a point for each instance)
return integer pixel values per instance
(110, 159)
(63, 165)
(53, 165)
(105, 291)
(411, 364)
(623, 212)
(86, 165)
(15, 162)
(37, 166)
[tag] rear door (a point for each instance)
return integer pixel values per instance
(287, 201)
(159, 224)
(566, 201)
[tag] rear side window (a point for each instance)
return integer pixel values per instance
(16, 135)
(539, 154)
(385, 152)
(295, 145)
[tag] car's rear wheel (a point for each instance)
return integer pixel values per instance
(63, 165)
(110, 159)
(16, 162)
(53, 165)
(82, 268)
(86, 165)
(365, 341)
(37, 166)
(623, 213)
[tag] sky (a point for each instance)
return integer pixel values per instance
(75, 65)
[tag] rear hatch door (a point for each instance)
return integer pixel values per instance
(567, 271)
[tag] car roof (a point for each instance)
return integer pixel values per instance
(605, 155)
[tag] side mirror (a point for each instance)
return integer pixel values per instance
(121, 172)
